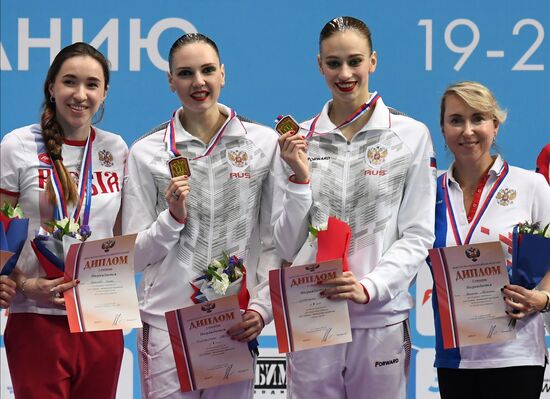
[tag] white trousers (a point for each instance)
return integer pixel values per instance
(374, 366)
(159, 378)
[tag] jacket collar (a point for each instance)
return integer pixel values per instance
(234, 127)
(380, 119)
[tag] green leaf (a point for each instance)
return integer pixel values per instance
(312, 230)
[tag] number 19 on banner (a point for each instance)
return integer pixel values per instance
(522, 64)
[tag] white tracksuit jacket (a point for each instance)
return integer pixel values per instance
(229, 208)
(382, 183)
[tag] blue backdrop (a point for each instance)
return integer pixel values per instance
(269, 50)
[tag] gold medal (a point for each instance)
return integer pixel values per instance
(287, 124)
(179, 166)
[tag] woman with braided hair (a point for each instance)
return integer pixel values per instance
(70, 365)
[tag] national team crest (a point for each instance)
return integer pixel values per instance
(238, 158)
(376, 154)
(473, 253)
(506, 196)
(105, 158)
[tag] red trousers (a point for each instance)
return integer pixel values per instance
(47, 361)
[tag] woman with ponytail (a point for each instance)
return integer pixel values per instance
(69, 365)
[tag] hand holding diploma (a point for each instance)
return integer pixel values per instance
(523, 301)
(205, 354)
(345, 286)
(248, 329)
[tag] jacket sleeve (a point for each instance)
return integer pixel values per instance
(260, 299)
(541, 200)
(415, 224)
(290, 211)
(157, 233)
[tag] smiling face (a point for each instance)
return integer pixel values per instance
(346, 60)
(79, 88)
(468, 132)
(196, 76)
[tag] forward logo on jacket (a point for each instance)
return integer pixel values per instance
(382, 363)
(506, 196)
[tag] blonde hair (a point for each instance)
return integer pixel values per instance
(477, 96)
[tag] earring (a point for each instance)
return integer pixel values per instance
(52, 99)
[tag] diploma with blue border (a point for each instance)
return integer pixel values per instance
(205, 355)
(303, 318)
(106, 298)
(468, 281)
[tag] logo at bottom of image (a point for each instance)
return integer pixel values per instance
(270, 378)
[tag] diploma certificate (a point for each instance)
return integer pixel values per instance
(468, 280)
(106, 297)
(304, 319)
(205, 355)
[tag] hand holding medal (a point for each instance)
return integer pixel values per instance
(176, 195)
(293, 147)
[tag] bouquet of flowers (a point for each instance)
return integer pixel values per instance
(14, 228)
(530, 254)
(326, 242)
(50, 246)
(221, 278)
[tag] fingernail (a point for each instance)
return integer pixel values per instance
(303, 137)
(502, 289)
(77, 282)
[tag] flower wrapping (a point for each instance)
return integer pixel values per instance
(13, 235)
(51, 251)
(530, 258)
(223, 278)
(331, 243)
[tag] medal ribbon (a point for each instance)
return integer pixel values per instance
(481, 210)
(170, 137)
(84, 187)
(352, 118)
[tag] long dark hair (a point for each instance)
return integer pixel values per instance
(52, 132)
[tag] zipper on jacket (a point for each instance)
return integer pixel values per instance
(345, 181)
(211, 193)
